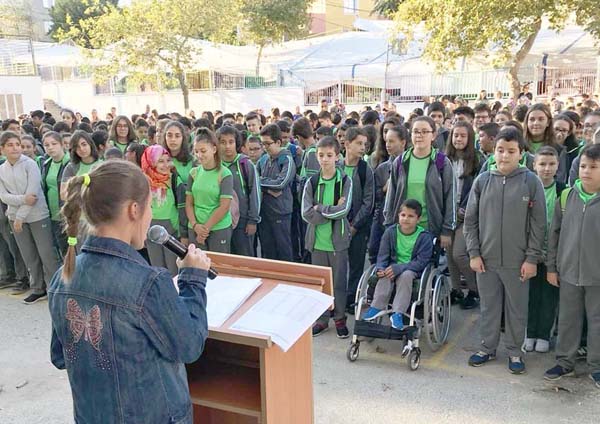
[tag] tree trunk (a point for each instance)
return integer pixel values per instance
(517, 60)
(184, 90)
(258, 57)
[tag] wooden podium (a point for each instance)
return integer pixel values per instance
(244, 378)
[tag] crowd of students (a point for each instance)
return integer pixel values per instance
(510, 196)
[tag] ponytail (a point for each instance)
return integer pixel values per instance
(71, 212)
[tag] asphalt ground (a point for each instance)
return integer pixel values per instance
(377, 388)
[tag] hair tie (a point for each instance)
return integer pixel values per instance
(72, 241)
(86, 180)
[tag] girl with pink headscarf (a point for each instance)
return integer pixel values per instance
(168, 203)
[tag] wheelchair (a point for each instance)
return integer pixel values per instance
(429, 314)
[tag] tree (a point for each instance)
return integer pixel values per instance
(503, 31)
(67, 14)
(154, 38)
(272, 21)
(18, 19)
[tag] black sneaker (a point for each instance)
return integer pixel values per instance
(470, 301)
(35, 297)
(557, 372)
(319, 329)
(595, 376)
(351, 308)
(341, 329)
(7, 282)
(20, 288)
(456, 296)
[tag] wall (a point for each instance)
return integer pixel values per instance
(79, 95)
(28, 87)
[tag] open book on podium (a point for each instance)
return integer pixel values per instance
(243, 377)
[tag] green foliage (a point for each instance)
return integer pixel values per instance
(67, 15)
(17, 18)
(272, 21)
(502, 31)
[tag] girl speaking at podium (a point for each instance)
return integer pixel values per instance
(119, 327)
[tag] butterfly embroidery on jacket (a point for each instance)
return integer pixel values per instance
(87, 325)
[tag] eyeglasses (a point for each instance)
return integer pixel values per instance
(267, 144)
(422, 133)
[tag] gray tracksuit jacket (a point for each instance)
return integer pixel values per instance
(246, 186)
(505, 221)
(574, 240)
(336, 215)
(360, 215)
(441, 196)
(277, 174)
(381, 175)
(18, 180)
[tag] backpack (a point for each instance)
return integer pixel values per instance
(362, 173)
(563, 198)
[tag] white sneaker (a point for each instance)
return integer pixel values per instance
(529, 345)
(542, 346)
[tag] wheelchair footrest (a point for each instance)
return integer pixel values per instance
(379, 331)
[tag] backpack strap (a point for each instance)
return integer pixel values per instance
(243, 162)
(362, 173)
(314, 183)
(440, 160)
(563, 198)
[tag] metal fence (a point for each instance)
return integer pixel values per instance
(16, 56)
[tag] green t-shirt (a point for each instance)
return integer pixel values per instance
(415, 186)
(349, 170)
(121, 147)
(167, 209)
(535, 146)
(550, 194)
(207, 189)
(586, 197)
(85, 168)
(405, 244)
(325, 196)
(53, 194)
(183, 170)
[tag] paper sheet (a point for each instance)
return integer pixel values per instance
(284, 314)
(225, 295)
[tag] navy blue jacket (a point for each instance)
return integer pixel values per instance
(421, 254)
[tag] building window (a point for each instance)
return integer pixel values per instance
(350, 7)
(318, 7)
(47, 26)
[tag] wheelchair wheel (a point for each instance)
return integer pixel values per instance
(414, 359)
(352, 352)
(437, 310)
(441, 309)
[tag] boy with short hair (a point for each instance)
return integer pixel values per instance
(487, 135)
(253, 123)
(437, 112)
(482, 115)
(325, 119)
(573, 263)
(252, 148)
(543, 297)
(504, 229)
(406, 249)
(277, 173)
(359, 217)
(326, 202)
(141, 130)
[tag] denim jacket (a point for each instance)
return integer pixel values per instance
(123, 334)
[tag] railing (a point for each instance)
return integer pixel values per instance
(16, 56)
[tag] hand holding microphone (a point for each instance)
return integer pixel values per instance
(188, 257)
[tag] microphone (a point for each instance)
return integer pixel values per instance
(159, 235)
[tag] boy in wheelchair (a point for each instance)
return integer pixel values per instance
(404, 253)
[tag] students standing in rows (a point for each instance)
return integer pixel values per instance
(425, 175)
(361, 208)
(539, 132)
(208, 196)
(277, 173)
(573, 265)
(396, 140)
(52, 172)
(326, 202)
(246, 187)
(504, 230)
(168, 204)
(21, 190)
(122, 133)
(176, 142)
(467, 162)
